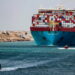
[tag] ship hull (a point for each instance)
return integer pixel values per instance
(54, 38)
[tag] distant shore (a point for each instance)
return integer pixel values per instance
(12, 36)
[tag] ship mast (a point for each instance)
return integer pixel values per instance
(61, 7)
(53, 26)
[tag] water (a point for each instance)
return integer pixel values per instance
(25, 58)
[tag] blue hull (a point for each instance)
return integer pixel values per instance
(57, 38)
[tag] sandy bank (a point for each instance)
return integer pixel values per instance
(11, 36)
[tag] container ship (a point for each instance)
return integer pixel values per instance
(52, 27)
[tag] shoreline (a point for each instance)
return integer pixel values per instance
(13, 36)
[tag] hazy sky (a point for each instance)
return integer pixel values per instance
(16, 14)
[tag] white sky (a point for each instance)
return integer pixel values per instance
(16, 14)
